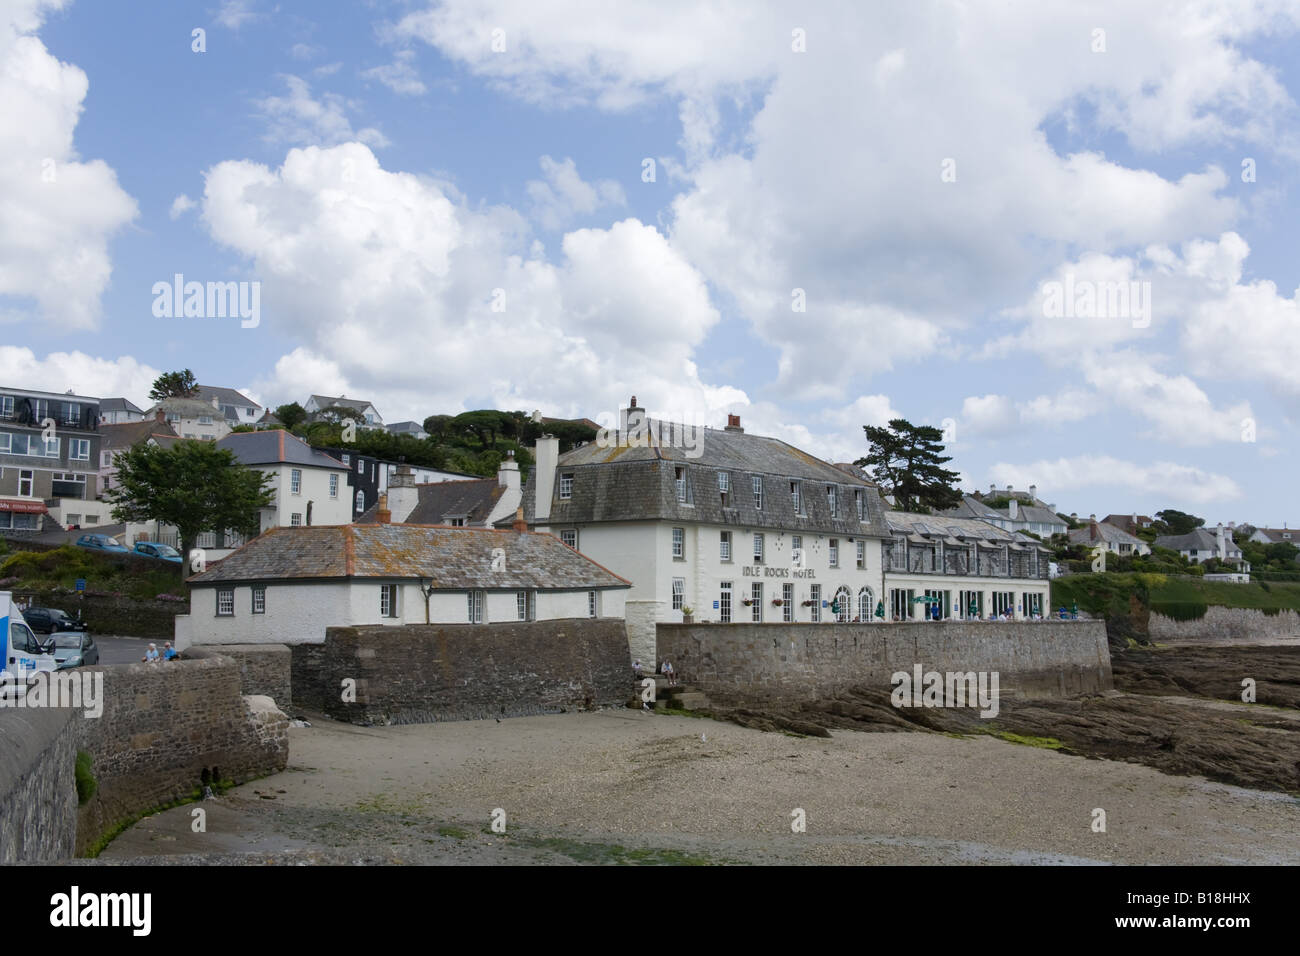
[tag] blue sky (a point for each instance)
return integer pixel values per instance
(380, 169)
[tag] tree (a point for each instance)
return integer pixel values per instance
(174, 385)
(436, 426)
(291, 415)
(485, 424)
(1178, 522)
(193, 485)
(905, 460)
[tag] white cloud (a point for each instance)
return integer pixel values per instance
(301, 119)
(84, 374)
(564, 195)
(399, 76)
(233, 14)
(59, 210)
(305, 51)
(180, 206)
(1168, 480)
(381, 276)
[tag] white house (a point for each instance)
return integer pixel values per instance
(1109, 538)
(962, 568)
(119, 411)
(235, 407)
(1201, 545)
(464, 503)
(289, 585)
(363, 412)
(310, 487)
(193, 418)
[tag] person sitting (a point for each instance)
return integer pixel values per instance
(169, 652)
(151, 655)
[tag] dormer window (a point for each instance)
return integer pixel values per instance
(795, 498)
(724, 488)
(833, 499)
(679, 477)
(566, 486)
(861, 503)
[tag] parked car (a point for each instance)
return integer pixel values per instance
(73, 649)
(152, 549)
(101, 542)
(49, 620)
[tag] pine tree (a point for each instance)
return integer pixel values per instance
(905, 461)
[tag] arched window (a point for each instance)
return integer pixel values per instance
(844, 601)
(866, 605)
(361, 501)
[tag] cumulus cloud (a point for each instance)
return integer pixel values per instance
(59, 210)
(180, 206)
(563, 195)
(1163, 478)
(381, 276)
(233, 14)
(82, 373)
(298, 118)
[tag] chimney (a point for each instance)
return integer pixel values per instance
(216, 403)
(992, 488)
(1010, 488)
(382, 514)
(519, 523)
(1092, 518)
(402, 496)
(733, 424)
(546, 453)
(633, 419)
(1013, 509)
(1220, 546)
(1033, 492)
(508, 473)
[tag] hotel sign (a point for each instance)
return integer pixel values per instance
(759, 571)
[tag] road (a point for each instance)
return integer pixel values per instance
(122, 650)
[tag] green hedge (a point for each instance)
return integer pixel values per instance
(1181, 610)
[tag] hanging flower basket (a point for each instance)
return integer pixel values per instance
(807, 603)
(746, 601)
(777, 602)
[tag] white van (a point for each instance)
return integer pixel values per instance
(25, 655)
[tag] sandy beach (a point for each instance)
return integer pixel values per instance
(624, 786)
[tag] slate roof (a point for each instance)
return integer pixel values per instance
(356, 404)
(440, 501)
(637, 483)
(1037, 515)
(944, 525)
(971, 507)
(405, 428)
(453, 559)
(1198, 540)
(276, 446)
(129, 434)
(1275, 535)
(1105, 532)
(226, 396)
(187, 407)
(107, 405)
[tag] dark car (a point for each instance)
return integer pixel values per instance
(74, 649)
(50, 620)
(152, 549)
(101, 542)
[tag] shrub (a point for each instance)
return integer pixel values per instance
(86, 783)
(1180, 610)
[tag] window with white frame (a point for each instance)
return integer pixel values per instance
(25, 482)
(79, 449)
(724, 487)
(815, 594)
(388, 600)
(679, 479)
(758, 548)
(526, 605)
(569, 536)
(724, 546)
(679, 590)
(724, 602)
(347, 460)
(833, 499)
(796, 550)
(474, 607)
(593, 604)
(862, 554)
(361, 500)
(6, 406)
(757, 483)
(71, 413)
(756, 602)
(259, 599)
(861, 504)
(679, 543)
(295, 481)
(225, 602)
(74, 519)
(334, 486)
(205, 419)
(787, 602)
(834, 552)
(295, 520)
(52, 446)
(795, 497)
(566, 486)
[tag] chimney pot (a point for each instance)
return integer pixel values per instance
(382, 514)
(520, 524)
(632, 404)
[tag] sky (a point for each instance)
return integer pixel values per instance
(1065, 234)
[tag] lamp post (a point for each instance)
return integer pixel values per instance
(427, 590)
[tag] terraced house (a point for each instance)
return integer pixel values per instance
(735, 527)
(49, 457)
